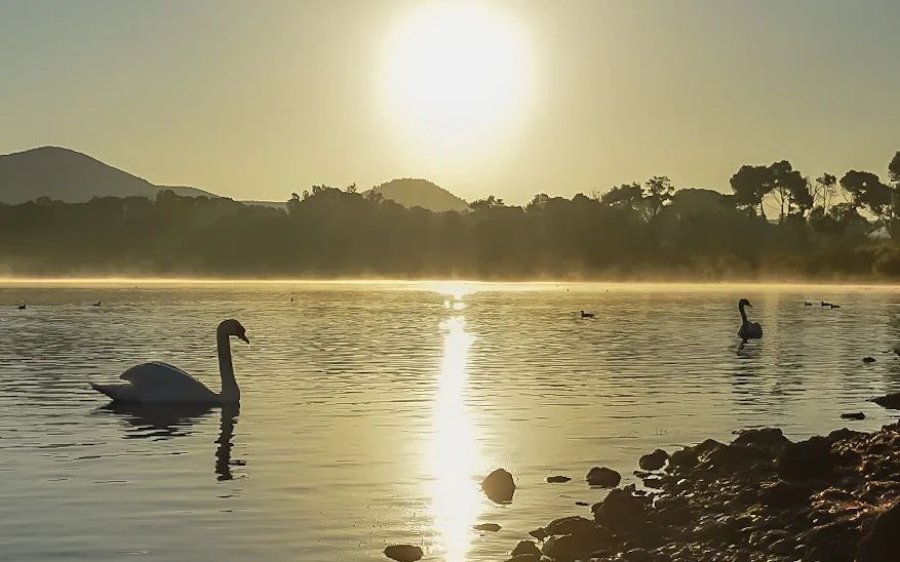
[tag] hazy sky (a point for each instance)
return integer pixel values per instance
(255, 99)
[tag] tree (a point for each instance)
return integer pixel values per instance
(751, 184)
(894, 169)
(627, 196)
(791, 189)
(823, 190)
(866, 190)
(659, 192)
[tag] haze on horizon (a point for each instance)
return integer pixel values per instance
(256, 100)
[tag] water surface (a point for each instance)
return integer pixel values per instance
(370, 412)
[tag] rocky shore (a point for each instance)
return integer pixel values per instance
(759, 498)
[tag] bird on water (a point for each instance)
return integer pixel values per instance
(587, 314)
(748, 330)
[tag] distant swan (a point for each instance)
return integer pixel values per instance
(749, 330)
(587, 314)
(22, 307)
(157, 383)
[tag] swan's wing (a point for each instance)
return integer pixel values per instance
(161, 382)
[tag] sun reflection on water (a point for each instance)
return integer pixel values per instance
(456, 502)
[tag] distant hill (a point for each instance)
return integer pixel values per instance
(411, 192)
(66, 175)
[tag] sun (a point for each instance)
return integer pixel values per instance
(456, 73)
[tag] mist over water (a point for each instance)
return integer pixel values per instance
(370, 411)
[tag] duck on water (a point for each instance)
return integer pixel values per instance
(748, 330)
(161, 383)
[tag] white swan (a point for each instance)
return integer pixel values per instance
(748, 330)
(160, 383)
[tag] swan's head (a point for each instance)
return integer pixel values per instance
(745, 302)
(232, 327)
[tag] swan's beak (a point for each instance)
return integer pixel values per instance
(750, 305)
(244, 337)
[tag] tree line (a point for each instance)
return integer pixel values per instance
(776, 223)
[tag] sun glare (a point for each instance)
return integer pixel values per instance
(456, 74)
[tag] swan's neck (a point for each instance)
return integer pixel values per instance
(740, 307)
(230, 391)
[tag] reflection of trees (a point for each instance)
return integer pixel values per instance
(628, 230)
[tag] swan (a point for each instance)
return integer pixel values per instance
(587, 314)
(749, 330)
(159, 383)
(22, 307)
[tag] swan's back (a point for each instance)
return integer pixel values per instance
(160, 382)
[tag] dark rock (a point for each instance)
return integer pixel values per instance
(526, 558)
(603, 476)
(806, 460)
(499, 486)
(582, 503)
(566, 548)
(732, 458)
(638, 555)
(526, 547)
(882, 542)
(557, 479)
(889, 401)
(706, 446)
(626, 515)
(685, 459)
(654, 482)
(489, 527)
(569, 526)
(782, 494)
(673, 511)
(539, 533)
(766, 438)
(653, 461)
(868, 359)
(404, 553)
(853, 416)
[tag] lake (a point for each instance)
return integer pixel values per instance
(371, 411)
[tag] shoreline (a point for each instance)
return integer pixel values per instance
(759, 498)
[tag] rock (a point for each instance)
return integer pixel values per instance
(868, 360)
(499, 486)
(582, 503)
(806, 460)
(653, 461)
(557, 479)
(782, 494)
(889, 401)
(539, 533)
(603, 476)
(654, 482)
(766, 438)
(526, 558)
(569, 526)
(626, 515)
(638, 555)
(853, 416)
(404, 553)
(526, 547)
(732, 458)
(489, 527)
(567, 548)
(882, 542)
(685, 459)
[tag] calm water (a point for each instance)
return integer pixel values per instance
(370, 412)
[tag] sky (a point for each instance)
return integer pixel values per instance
(255, 100)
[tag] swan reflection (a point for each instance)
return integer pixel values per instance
(167, 421)
(454, 456)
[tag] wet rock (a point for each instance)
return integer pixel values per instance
(882, 542)
(489, 527)
(732, 458)
(653, 461)
(868, 360)
(638, 555)
(498, 486)
(557, 479)
(685, 459)
(566, 548)
(889, 401)
(404, 553)
(626, 515)
(603, 476)
(806, 460)
(782, 494)
(569, 525)
(853, 416)
(582, 503)
(526, 548)
(653, 482)
(539, 533)
(770, 438)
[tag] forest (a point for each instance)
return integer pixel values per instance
(777, 224)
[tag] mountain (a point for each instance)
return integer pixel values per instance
(66, 175)
(411, 192)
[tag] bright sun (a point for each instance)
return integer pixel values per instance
(457, 74)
